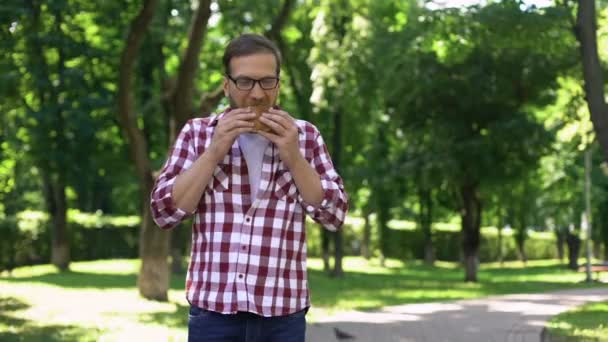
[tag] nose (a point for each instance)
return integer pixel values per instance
(257, 92)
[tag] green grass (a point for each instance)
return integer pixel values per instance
(99, 300)
(368, 286)
(586, 323)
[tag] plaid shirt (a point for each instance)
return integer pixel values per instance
(249, 255)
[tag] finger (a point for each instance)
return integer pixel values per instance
(239, 110)
(285, 122)
(280, 112)
(247, 116)
(288, 120)
(245, 130)
(236, 124)
(270, 136)
(275, 126)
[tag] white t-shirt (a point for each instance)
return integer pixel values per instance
(253, 146)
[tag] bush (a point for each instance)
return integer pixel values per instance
(407, 243)
(26, 238)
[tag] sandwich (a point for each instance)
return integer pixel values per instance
(259, 126)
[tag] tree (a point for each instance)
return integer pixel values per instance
(585, 30)
(153, 279)
(51, 102)
(179, 102)
(468, 80)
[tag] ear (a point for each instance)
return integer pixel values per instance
(226, 85)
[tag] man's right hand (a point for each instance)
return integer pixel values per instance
(228, 128)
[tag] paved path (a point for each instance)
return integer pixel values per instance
(508, 318)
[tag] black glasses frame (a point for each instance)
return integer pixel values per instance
(254, 81)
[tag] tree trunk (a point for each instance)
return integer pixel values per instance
(574, 246)
(499, 224)
(337, 160)
(521, 235)
(382, 223)
(425, 220)
(521, 251)
(53, 169)
(338, 253)
(561, 239)
(325, 249)
(60, 252)
(177, 259)
(501, 256)
(592, 71)
(54, 193)
(367, 233)
(153, 280)
(471, 222)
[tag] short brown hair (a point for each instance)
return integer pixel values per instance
(249, 44)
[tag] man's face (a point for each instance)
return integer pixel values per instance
(260, 66)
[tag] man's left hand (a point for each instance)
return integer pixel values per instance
(284, 135)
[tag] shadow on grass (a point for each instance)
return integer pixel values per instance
(415, 283)
(17, 329)
(71, 279)
(175, 319)
(418, 283)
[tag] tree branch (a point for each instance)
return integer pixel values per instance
(210, 100)
(274, 33)
(184, 86)
(592, 71)
(126, 117)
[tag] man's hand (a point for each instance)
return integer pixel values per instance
(229, 127)
(284, 136)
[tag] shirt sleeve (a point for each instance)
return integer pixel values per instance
(165, 212)
(334, 206)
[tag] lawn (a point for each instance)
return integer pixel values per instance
(586, 323)
(99, 301)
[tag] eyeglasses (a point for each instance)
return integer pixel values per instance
(246, 83)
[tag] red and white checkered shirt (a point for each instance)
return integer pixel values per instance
(249, 255)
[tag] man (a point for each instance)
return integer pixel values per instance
(249, 191)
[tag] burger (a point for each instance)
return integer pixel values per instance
(258, 125)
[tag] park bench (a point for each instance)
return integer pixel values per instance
(596, 268)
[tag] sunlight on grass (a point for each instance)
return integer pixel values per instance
(589, 322)
(117, 266)
(93, 308)
(99, 301)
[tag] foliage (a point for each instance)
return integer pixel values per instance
(411, 100)
(26, 237)
(407, 243)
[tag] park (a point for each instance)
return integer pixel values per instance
(461, 149)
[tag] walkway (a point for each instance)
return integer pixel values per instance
(508, 318)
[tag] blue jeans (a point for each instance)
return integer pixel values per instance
(209, 326)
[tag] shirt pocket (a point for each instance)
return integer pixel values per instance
(221, 179)
(285, 187)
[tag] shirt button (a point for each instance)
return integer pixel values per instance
(248, 219)
(240, 276)
(244, 248)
